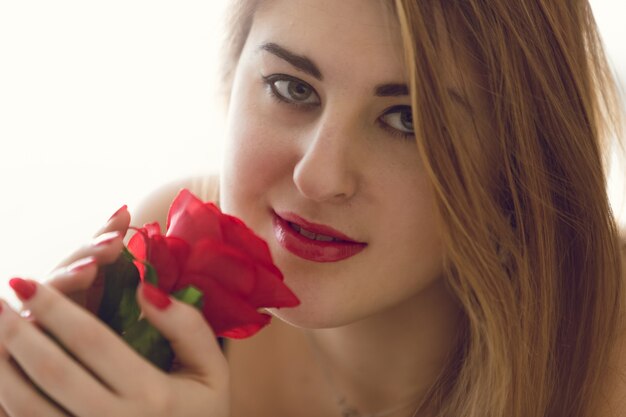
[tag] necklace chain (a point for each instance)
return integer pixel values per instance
(348, 410)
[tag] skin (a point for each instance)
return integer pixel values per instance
(384, 314)
(119, 381)
(344, 160)
(331, 162)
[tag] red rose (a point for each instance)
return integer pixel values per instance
(221, 257)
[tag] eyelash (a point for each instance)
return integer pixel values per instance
(270, 81)
(392, 130)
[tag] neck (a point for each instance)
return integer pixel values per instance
(393, 356)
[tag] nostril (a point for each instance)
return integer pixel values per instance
(324, 181)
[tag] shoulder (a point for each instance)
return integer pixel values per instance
(155, 204)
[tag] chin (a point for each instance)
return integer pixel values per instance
(318, 317)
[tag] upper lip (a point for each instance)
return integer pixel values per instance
(320, 229)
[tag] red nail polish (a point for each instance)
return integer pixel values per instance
(106, 238)
(23, 288)
(81, 264)
(155, 296)
(121, 209)
(0, 307)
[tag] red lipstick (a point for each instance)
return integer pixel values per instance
(289, 234)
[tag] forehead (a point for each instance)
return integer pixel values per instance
(348, 35)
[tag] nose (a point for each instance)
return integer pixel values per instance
(327, 170)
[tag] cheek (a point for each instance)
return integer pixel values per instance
(246, 167)
(254, 158)
(415, 233)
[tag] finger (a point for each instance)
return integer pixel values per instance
(82, 281)
(49, 367)
(118, 222)
(18, 397)
(87, 338)
(191, 338)
(76, 276)
(105, 249)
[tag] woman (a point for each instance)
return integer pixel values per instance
(455, 149)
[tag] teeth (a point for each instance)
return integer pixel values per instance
(307, 233)
(311, 235)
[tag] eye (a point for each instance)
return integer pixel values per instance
(399, 118)
(291, 90)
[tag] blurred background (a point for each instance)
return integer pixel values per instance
(100, 102)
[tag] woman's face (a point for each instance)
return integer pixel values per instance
(319, 126)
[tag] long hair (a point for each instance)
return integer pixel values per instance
(533, 247)
(533, 251)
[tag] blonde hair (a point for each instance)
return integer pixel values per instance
(533, 247)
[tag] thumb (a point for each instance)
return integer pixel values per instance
(195, 346)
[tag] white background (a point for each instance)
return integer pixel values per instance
(102, 101)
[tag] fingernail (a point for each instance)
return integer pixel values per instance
(81, 264)
(106, 238)
(119, 210)
(23, 288)
(1, 307)
(155, 296)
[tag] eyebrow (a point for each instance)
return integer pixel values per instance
(307, 66)
(391, 90)
(300, 62)
(397, 90)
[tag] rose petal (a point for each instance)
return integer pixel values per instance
(168, 255)
(227, 313)
(191, 219)
(270, 291)
(247, 330)
(261, 285)
(137, 245)
(153, 229)
(220, 256)
(234, 271)
(238, 235)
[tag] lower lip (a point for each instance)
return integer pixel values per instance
(313, 250)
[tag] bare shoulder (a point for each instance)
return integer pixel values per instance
(155, 204)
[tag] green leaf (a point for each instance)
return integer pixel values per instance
(119, 308)
(146, 340)
(128, 254)
(190, 295)
(151, 275)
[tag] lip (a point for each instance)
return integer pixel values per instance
(314, 227)
(309, 249)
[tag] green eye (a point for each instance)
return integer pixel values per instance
(291, 90)
(399, 118)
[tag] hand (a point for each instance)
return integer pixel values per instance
(102, 352)
(75, 276)
(101, 375)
